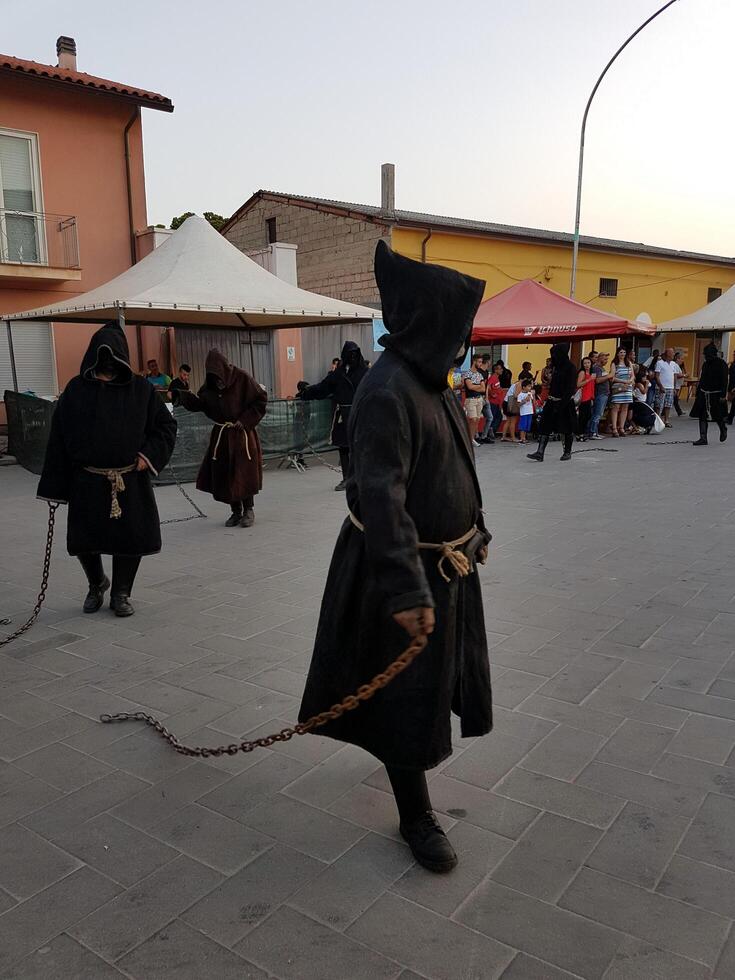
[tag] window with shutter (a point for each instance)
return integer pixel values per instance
(21, 226)
(33, 349)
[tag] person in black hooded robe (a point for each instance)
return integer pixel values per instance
(559, 414)
(412, 480)
(341, 385)
(710, 404)
(109, 432)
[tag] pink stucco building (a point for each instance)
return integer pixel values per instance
(72, 204)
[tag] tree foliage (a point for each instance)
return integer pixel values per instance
(215, 220)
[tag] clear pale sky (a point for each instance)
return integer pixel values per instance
(477, 102)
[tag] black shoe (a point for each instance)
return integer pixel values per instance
(537, 456)
(96, 596)
(121, 605)
(234, 519)
(429, 843)
(248, 518)
(700, 442)
(723, 432)
(565, 457)
(342, 485)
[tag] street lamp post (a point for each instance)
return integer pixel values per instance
(575, 253)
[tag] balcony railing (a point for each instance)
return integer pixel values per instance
(35, 239)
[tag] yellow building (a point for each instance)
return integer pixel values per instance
(336, 240)
(618, 277)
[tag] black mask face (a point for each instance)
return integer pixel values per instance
(352, 359)
(105, 361)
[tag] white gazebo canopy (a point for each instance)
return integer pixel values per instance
(717, 315)
(198, 278)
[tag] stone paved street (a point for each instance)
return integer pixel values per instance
(595, 826)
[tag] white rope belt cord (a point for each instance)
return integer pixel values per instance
(448, 550)
(229, 425)
(117, 484)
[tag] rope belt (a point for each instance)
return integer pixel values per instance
(448, 550)
(229, 425)
(117, 484)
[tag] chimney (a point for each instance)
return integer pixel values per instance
(66, 52)
(388, 187)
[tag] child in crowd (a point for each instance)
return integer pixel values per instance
(526, 407)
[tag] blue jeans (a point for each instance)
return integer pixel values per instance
(487, 414)
(598, 407)
(497, 414)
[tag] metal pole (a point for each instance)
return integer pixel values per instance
(575, 250)
(12, 354)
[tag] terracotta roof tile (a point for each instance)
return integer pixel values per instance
(79, 78)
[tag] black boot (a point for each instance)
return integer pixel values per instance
(568, 443)
(429, 844)
(98, 582)
(124, 570)
(234, 519)
(539, 454)
(723, 431)
(419, 827)
(248, 516)
(702, 441)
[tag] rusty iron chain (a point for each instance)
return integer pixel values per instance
(349, 703)
(52, 508)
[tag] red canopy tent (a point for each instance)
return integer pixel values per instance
(528, 313)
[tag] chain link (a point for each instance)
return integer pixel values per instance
(192, 517)
(52, 508)
(349, 703)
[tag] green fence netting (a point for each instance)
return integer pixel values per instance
(289, 428)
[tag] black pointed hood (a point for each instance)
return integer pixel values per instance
(710, 352)
(559, 354)
(109, 342)
(352, 363)
(428, 311)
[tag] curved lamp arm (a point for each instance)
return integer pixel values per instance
(604, 72)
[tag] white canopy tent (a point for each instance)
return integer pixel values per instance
(198, 278)
(719, 315)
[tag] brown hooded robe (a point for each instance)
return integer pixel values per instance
(232, 469)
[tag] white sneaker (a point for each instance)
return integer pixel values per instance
(596, 436)
(475, 442)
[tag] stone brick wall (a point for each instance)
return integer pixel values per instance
(335, 254)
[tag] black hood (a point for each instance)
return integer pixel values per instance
(108, 346)
(710, 352)
(428, 311)
(559, 354)
(357, 361)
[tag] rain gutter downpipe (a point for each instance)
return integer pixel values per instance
(424, 243)
(575, 251)
(131, 221)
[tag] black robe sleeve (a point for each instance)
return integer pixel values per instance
(160, 434)
(55, 482)
(255, 410)
(381, 471)
(324, 389)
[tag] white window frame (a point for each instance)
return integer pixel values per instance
(37, 187)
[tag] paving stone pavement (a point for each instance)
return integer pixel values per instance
(595, 826)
